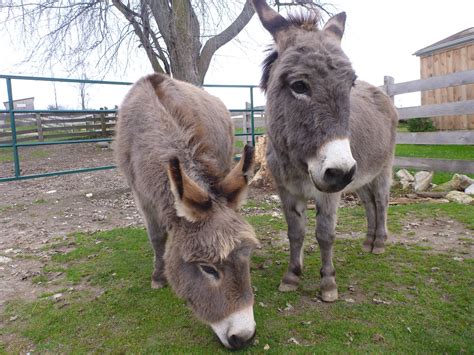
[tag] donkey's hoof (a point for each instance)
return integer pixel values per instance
(329, 296)
(284, 287)
(289, 282)
(378, 249)
(156, 285)
(367, 246)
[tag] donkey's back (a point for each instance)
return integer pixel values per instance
(162, 118)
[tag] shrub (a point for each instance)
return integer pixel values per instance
(420, 125)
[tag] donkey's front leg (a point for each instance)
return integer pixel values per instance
(295, 215)
(157, 235)
(326, 205)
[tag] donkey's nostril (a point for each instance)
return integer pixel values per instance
(337, 179)
(238, 342)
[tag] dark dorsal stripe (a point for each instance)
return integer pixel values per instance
(156, 79)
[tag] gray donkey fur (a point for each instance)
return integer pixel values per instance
(174, 144)
(328, 134)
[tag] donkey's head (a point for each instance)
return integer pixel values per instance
(207, 261)
(308, 80)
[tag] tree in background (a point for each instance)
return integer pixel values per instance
(179, 37)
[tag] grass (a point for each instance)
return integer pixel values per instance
(462, 152)
(107, 304)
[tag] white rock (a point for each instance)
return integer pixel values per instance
(89, 195)
(51, 192)
(423, 180)
(4, 260)
(404, 174)
(469, 190)
(57, 296)
(460, 197)
(275, 198)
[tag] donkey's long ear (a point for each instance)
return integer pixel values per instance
(191, 201)
(336, 25)
(234, 186)
(271, 20)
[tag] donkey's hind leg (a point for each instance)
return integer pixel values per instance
(367, 198)
(381, 191)
(375, 196)
(295, 215)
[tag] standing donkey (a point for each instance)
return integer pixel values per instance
(328, 134)
(174, 144)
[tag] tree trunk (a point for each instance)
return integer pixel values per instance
(184, 42)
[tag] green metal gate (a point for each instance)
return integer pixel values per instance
(14, 144)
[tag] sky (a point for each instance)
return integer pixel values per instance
(380, 39)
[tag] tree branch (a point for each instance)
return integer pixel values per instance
(144, 39)
(214, 43)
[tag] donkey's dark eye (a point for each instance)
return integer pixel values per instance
(299, 87)
(210, 270)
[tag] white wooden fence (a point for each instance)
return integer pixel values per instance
(439, 138)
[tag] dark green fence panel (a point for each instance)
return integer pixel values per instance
(14, 144)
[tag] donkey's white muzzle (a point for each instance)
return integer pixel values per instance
(334, 167)
(237, 330)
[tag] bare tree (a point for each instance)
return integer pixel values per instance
(179, 37)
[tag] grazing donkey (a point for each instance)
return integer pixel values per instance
(174, 144)
(328, 134)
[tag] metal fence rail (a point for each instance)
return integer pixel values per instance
(14, 143)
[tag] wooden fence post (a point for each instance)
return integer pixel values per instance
(39, 127)
(387, 81)
(102, 123)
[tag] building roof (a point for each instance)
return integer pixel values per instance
(460, 38)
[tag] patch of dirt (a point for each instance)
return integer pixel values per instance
(39, 213)
(440, 234)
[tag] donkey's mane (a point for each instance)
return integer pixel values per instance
(267, 67)
(307, 21)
